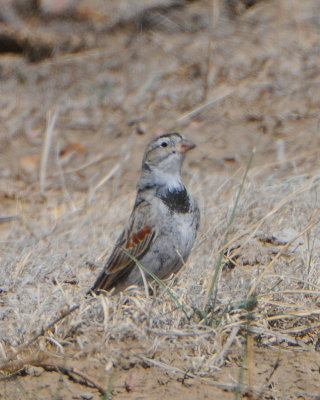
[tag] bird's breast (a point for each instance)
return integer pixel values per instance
(178, 228)
(177, 200)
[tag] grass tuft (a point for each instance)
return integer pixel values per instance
(218, 264)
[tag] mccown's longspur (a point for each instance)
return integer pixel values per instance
(164, 221)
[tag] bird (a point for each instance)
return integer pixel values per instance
(163, 224)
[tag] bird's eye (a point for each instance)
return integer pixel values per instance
(164, 144)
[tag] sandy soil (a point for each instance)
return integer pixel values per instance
(118, 74)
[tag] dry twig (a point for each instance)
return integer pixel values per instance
(223, 386)
(306, 229)
(36, 337)
(72, 374)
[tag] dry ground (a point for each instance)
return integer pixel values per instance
(138, 72)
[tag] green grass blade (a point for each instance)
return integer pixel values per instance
(158, 280)
(226, 236)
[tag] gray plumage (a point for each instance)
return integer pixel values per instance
(163, 224)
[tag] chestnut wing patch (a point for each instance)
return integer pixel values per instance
(139, 237)
(136, 238)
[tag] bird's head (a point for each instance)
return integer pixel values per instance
(163, 159)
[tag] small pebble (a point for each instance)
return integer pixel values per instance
(86, 396)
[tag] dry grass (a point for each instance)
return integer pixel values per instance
(266, 295)
(285, 280)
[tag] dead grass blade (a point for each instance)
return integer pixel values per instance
(50, 123)
(275, 366)
(260, 277)
(37, 336)
(279, 336)
(63, 182)
(223, 386)
(213, 280)
(182, 333)
(72, 373)
(82, 167)
(9, 218)
(254, 227)
(292, 315)
(214, 12)
(107, 177)
(116, 169)
(202, 107)
(145, 283)
(219, 358)
(246, 351)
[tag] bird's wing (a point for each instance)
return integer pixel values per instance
(135, 239)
